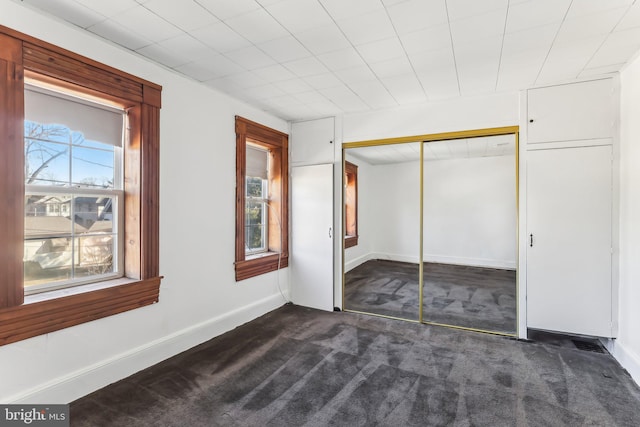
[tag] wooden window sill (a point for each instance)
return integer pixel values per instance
(350, 241)
(258, 265)
(51, 311)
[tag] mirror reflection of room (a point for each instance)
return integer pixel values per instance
(382, 269)
(469, 242)
(469, 232)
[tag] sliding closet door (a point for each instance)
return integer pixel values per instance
(382, 264)
(469, 238)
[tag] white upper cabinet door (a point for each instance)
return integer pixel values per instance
(570, 112)
(569, 240)
(312, 142)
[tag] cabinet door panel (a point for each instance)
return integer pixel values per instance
(569, 256)
(571, 112)
(312, 142)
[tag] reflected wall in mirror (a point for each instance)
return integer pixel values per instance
(469, 252)
(382, 269)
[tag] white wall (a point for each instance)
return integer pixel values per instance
(470, 211)
(199, 297)
(627, 347)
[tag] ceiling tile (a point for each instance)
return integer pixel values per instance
(71, 11)
(381, 50)
(298, 15)
(322, 81)
(481, 51)
(186, 48)
(344, 98)
(115, 32)
(293, 86)
(479, 78)
(225, 9)
(433, 59)
(518, 70)
(250, 58)
(187, 15)
(617, 48)
(392, 67)
(257, 26)
(263, 92)
(356, 74)
(341, 59)
(437, 37)
(220, 65)
(161, 55)
(460, 9)
(285, 49)
(323, 39)
(631, 19)
(106, 8)
(599, 71)
(590, 7)
(534, 13)
(374, 94)
(306, 67)
(274, 73)
(341, 9)
(590, 25)
(566, 61)
(531, 38)
(405, 89)
(367, 28)
(220, 37)
(413, 15)
(468, 30)
(147, 23)
(242, 80)
(440, 83)
(310, 97)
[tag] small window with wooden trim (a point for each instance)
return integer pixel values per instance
(261, 199)
(351, 204)
(80, 186)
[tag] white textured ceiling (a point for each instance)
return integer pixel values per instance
(300, 59)
(464, 148)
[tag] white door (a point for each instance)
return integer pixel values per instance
(569, 240)
(312, 142)
(312, 236)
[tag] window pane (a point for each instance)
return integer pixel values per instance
(92, 168)
(46, 163)
(95, 255)
(255, 220)
(47, 260)
(255, 187)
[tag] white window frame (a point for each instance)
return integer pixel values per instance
(116, 194)
(264, 201)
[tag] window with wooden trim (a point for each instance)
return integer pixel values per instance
(80, 189)
(351, 204)
(262, 194)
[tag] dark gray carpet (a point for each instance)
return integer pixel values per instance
(472, 297)
(298, 366)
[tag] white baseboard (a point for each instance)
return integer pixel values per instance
(70, 387)
(443, 259)
(472, 262)
(627, 358)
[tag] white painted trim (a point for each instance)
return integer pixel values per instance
(70, 387)
(627, 358)
(472, 262)
(443, 259)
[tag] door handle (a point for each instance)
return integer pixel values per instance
(330, 232)
(530, 240)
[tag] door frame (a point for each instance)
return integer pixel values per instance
(426, 138)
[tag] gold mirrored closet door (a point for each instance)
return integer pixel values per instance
(431, 229)
(382, 230)
(469, 194)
